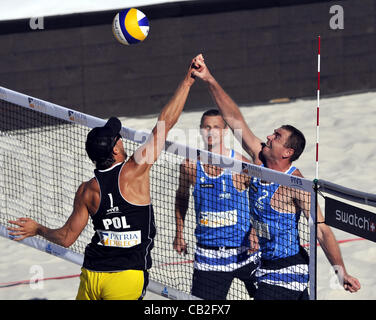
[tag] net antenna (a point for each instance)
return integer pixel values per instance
(318, 109)
(313, 235)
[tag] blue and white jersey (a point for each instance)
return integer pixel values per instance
(283, 261)
(223, 222)
(277, 231)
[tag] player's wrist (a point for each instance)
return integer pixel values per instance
(188, 81)
(210, 80)
(40, 230)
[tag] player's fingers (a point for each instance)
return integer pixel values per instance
(182, 248)
(194, 64)
(200, 57)
(349, 288)
(200, 63)
(16, 222)
(352, 285)
(17, 233)
(21, 220)
(177, 248)
(20, 238)
(197, 73)
(14, 229)
(197, 61)
(355, 285)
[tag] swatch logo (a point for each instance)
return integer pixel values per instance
(350, 219)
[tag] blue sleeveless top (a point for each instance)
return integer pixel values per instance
(277, 231)
(222, 212)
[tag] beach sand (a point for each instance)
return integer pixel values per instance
(347, 156)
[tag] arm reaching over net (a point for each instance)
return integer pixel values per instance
(147, 154)
(138, 167)
(134, 181)
(230, 111)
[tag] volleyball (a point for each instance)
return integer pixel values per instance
(130, 26)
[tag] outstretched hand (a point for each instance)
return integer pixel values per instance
(26, 228)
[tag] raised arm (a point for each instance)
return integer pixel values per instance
(64, 236)
(149, 152)
(230, 111)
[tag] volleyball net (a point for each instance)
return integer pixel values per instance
(349, 210)
(43, 161)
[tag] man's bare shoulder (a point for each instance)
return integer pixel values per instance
(88, 186)
(86, 191)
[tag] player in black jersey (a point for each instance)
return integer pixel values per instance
(118, 201)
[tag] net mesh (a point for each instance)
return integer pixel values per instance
(42, 164)
(43, 161)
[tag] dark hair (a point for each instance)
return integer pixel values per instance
(101, 140)
(295, 141)
(211, 113)
(104, 164)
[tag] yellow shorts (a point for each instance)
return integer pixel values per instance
(123, 285)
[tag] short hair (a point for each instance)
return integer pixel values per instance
(104, 164)
(211, 113)
(295, 141)
(100, 142)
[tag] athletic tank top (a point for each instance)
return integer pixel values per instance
(124, 232)
(222, 212)
(277, 231)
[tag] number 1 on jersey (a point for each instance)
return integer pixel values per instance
(111, 200)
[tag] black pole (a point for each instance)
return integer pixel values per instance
(315, 222)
